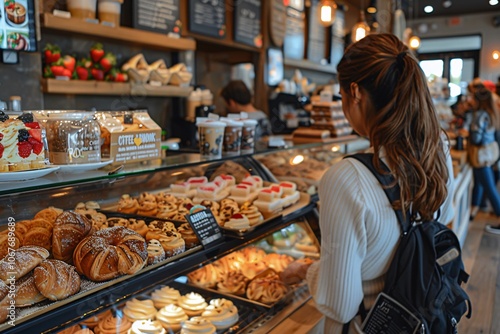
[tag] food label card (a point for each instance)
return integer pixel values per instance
(206, 228)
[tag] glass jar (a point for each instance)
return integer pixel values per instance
(74, 137)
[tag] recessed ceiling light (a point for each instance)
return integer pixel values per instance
(428, 9)
(447, 3)
(493, 2)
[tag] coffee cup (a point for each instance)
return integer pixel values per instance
(248, 136)
(83, 9)
(109, 11)
(232, 137)
(211, 137)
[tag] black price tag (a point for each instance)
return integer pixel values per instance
(389, 316)
(205, 226)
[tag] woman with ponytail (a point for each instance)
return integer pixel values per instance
(386, 99)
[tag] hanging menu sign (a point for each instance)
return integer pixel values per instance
(294, 37)
(247, 22)
(205, 227)
(317, 37)
(208, 17)
(157, 15)
(277, 22)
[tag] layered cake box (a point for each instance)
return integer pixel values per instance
(129, 136)
(21, 143)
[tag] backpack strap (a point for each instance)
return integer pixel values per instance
(391, 188)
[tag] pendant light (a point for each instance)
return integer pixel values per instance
(414, 40)
(360, 29)
(326, 12)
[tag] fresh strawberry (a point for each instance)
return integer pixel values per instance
(121, 77)
(82, 72)
(107, 62)
(1, 136)
(24, 148)
(36, 134)
(69, 62)
(52, 53)
(97, 73)
(47, 72)
(96, 52)
(66, 73)
(57, 68)
(1, 150)
(33, 125)
(36, 145)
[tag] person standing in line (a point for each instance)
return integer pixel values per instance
(386, 99)
(482, 133)
(238, 98)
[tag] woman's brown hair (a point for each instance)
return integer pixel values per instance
(402, 119)
(484, 99)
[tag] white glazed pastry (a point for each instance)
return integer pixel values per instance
(222, 313)
(171, 317)
(198, 325)
(192, 303)
(146, 327)
(136, 309)
(165, 296)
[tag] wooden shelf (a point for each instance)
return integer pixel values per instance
(125, 34)
(93, 87)
(309, 65)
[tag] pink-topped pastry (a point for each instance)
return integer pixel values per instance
(165, 296)
(136, 309)
(252, 213)
(183, 189)
(290, 193)
(288, 187)
(255, 180)
(243, 192)
(237, 222)
(171, 317)
(197, 181)
(222, 313)
(198, 325)
(211, 191)
(113, 325)
(147, 327)
(230, 180)
(192, 303)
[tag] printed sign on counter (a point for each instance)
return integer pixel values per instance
(205, 227)
(157, 15)
(208, 17)
(247, 27)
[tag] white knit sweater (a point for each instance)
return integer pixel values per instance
(359, 234)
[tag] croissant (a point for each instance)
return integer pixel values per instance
(26, 292)
(56, 280)
(22, 262)
(69, 229)
(110, 253)
(4, 301)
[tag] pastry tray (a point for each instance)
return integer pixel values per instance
(248, 312)
(87, 288)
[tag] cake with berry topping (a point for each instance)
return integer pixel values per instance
(21, 146)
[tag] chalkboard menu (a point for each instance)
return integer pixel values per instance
(205, 227)
(157, 15)
(247, 28)
(208, 17)
(277, 22)
(294, 37)
(317, 37)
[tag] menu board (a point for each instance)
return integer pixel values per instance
(17, 25)
(277, 22)
(157, 15)
(247, 28)
(208, 17)
(317, 37)
(294, 37)
(205, 227)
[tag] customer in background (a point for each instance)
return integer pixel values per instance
(238, 98)
(385, 97)
(482, 134)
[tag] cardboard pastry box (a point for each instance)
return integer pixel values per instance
(129, 136)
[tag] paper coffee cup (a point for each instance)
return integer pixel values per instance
(248, 136)
(211, 137)
(84, 9)
(232, 137)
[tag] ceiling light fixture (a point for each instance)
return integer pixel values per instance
(371, 8)
(326, 12)
(495, 55)
(493, 2)
(428, 9)
(360, 29)
(447, 3)
(414, 42)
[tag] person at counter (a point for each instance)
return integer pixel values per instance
(238, 98)
(386, 99)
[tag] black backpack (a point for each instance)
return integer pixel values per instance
(427, 269)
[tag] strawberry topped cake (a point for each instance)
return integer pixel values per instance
(21, 146)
